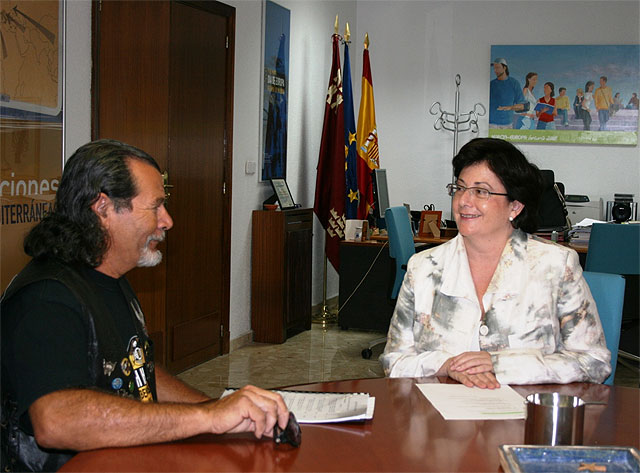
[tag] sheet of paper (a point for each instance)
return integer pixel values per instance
(320, 407)
(458, 402)
(587, 222)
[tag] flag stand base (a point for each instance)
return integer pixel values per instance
(325, 317)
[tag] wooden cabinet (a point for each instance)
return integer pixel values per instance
(281, 274)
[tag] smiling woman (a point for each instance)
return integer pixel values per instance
(496, 304)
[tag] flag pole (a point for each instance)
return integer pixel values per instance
(326, 317)
(329, 202)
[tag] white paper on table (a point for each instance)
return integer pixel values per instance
(458, 402)
(312, 407)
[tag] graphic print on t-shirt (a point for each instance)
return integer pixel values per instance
(137, 360)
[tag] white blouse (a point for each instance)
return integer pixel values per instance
(542, 320)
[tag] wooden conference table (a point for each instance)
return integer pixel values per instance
(405, 434)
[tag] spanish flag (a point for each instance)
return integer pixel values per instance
(367, 137)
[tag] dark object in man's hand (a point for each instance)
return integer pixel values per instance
(291, 434)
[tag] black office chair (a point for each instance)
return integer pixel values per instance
(552, 210)
(401, 248)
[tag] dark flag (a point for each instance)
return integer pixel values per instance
(367, 137)
(350, 145)
(275, 147)
(330, 180)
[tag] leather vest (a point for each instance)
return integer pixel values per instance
(128, 372)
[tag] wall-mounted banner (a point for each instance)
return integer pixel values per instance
(275, 86)
(583, 94)
(30, 122)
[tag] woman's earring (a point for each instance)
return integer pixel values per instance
(511, 219)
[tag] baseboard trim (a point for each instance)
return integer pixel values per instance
(247, 338)
(241, 341)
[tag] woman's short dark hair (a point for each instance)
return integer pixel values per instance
(521, 179)
(72, 231)
(552, 87)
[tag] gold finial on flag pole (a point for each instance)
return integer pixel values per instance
(347, 33)
(335, 26)
(366, 41)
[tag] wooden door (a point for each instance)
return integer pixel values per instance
(198, 263)
(162, 81)
(130, 99)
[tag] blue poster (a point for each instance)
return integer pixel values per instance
(565, 94)
(276, 85)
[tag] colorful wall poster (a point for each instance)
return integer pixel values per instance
(585, 94)
(275, 91)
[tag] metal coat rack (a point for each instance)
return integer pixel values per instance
(456, 122)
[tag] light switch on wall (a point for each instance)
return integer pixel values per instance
(250, 167)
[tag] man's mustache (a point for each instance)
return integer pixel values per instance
(151, 238)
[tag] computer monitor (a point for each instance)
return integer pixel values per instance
(380, 196)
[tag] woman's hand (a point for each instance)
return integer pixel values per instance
(472, 362)
(472, 368)
(481, 380)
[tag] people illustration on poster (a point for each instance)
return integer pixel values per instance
(596, 114)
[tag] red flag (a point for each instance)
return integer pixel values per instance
(330, 181)
(367, 138)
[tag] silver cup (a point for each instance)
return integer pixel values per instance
(554, 419)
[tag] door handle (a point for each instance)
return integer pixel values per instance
(166, 185)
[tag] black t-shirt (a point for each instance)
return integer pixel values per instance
(44, 343)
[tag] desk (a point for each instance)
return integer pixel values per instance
(365, 306)
(406, 434)
(447, 235)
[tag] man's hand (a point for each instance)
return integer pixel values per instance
(249, 409)
(86, 419)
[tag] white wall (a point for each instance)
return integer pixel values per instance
(77, 87)
(310, 60)
(417, 47)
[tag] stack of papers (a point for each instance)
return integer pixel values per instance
(318, 407)
(581, 231)
(458, 402)
(580, 235)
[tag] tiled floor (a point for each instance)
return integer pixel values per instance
(312, 356)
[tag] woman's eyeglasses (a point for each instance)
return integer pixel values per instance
(476, 192)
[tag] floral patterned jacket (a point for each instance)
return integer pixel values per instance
(543, 322)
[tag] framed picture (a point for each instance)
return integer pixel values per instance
(430, 223)
(283, 193)
(556, 94)
(275, 91)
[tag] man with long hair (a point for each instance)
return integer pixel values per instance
(78, 371)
